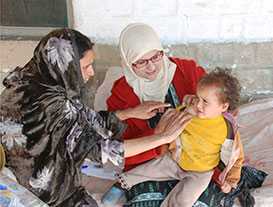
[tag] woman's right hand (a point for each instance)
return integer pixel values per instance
(171, 124)
(146, 110)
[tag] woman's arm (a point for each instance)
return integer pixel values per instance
(122, 99)
(146, 110)
(136, 146)
(169, 128)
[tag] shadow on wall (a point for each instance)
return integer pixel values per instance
(252, 63)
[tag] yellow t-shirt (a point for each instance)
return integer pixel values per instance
(201, 143)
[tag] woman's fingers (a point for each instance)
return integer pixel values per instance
(148, 109)
(176, 125)
(150, 114)
(168, 116)
(177, 117)
(184, 118)
(152, 106)
(164, 120)
(161, 110)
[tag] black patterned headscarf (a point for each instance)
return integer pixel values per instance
(54, 75)
(61, 131)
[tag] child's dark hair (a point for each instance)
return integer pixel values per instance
(229, 85)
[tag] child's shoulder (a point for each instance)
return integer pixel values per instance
(232, 125)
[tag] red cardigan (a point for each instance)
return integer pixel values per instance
(185, 81)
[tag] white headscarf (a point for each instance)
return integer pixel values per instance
(135, 41)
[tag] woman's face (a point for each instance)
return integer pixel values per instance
(149, 65)
(86, 65)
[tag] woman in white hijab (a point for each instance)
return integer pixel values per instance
(150, 79)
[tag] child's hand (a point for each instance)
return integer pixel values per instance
(192, 109)
(226, 188)
(188, 100)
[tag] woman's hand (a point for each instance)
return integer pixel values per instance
(171, 124)
(146, 110)
(164, 120)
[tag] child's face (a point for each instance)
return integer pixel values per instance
(208, 104)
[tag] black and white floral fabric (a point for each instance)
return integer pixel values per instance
(59, 51)
(11, 134)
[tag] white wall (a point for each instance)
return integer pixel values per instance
(178, 21)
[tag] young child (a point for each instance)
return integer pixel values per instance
(210, 140)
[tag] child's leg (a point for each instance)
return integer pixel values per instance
(163, 168)
(188, 190)
(160, 169)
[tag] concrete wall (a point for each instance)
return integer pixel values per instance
(178, 21)
(252, 62)
(230, 33)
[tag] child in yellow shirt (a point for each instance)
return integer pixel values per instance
(209, 138)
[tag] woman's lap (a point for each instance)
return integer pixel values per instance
(150, 193)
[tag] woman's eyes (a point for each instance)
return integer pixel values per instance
(155, 57)
(87, 66)
(141, 62)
